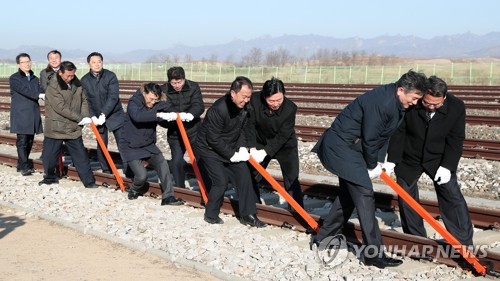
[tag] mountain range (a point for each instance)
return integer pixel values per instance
(465, 46)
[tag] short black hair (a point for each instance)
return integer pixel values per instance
(67, 65)
(272, 87)
(176, 73)
(437, 87)
(412, 80)
(152, 88)
(22, 55)
(239, 82)
(93, 54)
(54, 52)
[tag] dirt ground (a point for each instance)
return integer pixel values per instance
(35, 249)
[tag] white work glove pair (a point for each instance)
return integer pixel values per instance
(186, 117)
(258, 155)
(85, 121)
(375, 172)
(241, 155)
(169, 116)
(388, 167)
(41, 96)
(443, 175)
(99, 121)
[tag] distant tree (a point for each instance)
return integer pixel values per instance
(255, 57)
(279, 57)
(188, 58)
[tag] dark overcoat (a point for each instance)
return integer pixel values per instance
(418, 144)
(104, 97)
(24, 109)
(139, 138)
(271, 131)
(189, 100)
(222, 131)
(356, 139)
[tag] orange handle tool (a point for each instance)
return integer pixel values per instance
(462, 250)
(119, 179)
(189, 150)
(305, 215)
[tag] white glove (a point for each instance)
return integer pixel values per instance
(375, 172)
(169, 116)
(443, 175)
(41, 96)
(186, 117)
(102, 119)
(95, 120)
(85, 121)
(388, 167)
(258, 155)
(240, 155)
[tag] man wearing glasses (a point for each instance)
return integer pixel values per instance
(25, 120)
(430, 141)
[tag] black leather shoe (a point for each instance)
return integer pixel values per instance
(171, 201)
(48, 181)
(28, 172)
(217, 220)
(133, 194)
(93, 185)
(382, 262)
(252, 220)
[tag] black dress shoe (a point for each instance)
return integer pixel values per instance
(171, 201)
(382, 262)
(216, 220)
(252, 220)
(48, 181)
(28, 172)
(133, 194)
(93, 185)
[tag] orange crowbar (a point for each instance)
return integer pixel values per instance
(187, 144)
(462, 250)
(119, 179)
(312, 223)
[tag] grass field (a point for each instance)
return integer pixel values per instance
(453, 73)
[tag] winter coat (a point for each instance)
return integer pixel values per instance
(271, 131)
(139, 138)
(45, 76)
(420, 144)
(189, 100)
(24, 109)
(222, 131)
(65, 107)
(104, 97)
(356, 139)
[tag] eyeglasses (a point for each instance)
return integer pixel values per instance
(153, 100)
(428, 104)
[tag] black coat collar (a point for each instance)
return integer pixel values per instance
(76, 82)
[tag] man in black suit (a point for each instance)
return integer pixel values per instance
(352, 149)
(430, 141)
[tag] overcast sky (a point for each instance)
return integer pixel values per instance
(116, 26)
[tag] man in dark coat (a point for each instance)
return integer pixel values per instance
(222, 152)
(66, 111)
(144, 113)
(185, 97)
(25, 120)
(430, 140)
(353, 147)
(101, 88)
(54, 58)
(271, 133)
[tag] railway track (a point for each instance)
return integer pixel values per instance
(284, 218)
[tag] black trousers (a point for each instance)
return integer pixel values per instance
(452, 207)
(24, 143)
(177, 149)
(289, 164)
(161, 167)
(103, 131)
(51, 150)
(215, 175)
(353, 196)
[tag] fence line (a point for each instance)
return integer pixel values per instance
(453, 73)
